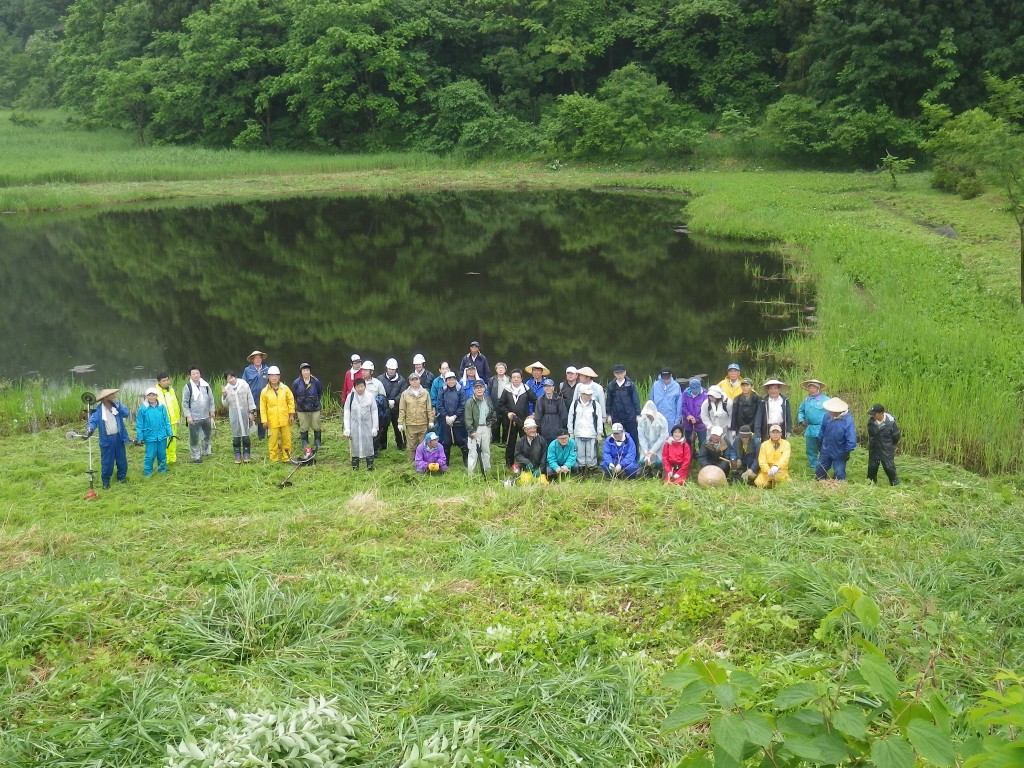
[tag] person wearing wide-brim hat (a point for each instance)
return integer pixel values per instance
(811, 416)
(538, 372)
(255, 375)
(108, 417)
(838, 439)
(773, 409)
(587, 375)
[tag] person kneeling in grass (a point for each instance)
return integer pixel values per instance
(561, 456)
(675, 457)
(618, 459)
(773, 459)
(430, 458)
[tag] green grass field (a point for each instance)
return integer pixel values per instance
(146, 618)
(549, 614)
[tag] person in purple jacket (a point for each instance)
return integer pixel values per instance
(693, 426)
(430, 458)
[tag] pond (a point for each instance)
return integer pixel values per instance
(581, 277)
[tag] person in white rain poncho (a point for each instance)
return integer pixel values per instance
(653, 430)
(241, 407)
(361, 423)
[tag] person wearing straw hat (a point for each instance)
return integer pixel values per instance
(108, 417)
(773, 409)
(838, 439)
(587, 375)
(773, 459)
(255, 375)
(883, 436)
(153, 428)
(241, 408)
(536, 382)
(810, 416)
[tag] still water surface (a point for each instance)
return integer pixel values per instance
(568, 277)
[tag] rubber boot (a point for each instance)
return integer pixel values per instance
(316, 438)
(246, 457)
(238, 456)
(304, 436)
(369, 464)
(355, 463)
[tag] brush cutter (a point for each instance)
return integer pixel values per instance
(89, 400)
(308, 456)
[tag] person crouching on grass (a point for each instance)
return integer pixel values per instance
(153, 428)
(773, 459)
(675, 457)
(430, 458)
(277, 409)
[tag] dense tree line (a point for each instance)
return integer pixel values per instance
(820, 80)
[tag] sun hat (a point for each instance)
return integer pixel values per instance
(716, 430)
(105, 393)
(586, 370)
(835, 405)
(807, 384)
(538, 364)
(418, 359)
(773, 381)
(272, 370)
(254, 353)
(586, 389)
(152, 391)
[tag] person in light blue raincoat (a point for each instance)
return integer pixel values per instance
(812, 415)
(838, 439)
(153, 428)
(668, 397)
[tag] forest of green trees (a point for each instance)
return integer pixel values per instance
(827, 83)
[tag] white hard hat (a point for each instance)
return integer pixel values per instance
(367, 365)
(272, 370)
(418, 359)
(392, 364)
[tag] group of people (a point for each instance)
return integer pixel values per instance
(548, 431)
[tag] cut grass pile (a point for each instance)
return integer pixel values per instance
(548, 614)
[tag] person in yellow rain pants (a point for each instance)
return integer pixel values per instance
(277, 412)
(169, 400)
(773, 459)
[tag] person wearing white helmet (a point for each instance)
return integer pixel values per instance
(376, 390)
(354, 372)
(419, 364)
(277, 409)
(153, 428)
(394, 385)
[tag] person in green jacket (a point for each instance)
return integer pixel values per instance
(480, 415)
(561, 456)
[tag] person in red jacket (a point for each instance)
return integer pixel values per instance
(353, 373)
(675, 457)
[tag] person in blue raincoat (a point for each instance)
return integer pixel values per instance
(153, 427)
(838, 439)
(255, 375)
(618, 458)
(451, 418)
(811, 416)
(108, 417)
(668, 397)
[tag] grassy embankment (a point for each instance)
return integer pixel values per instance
(546, 613)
